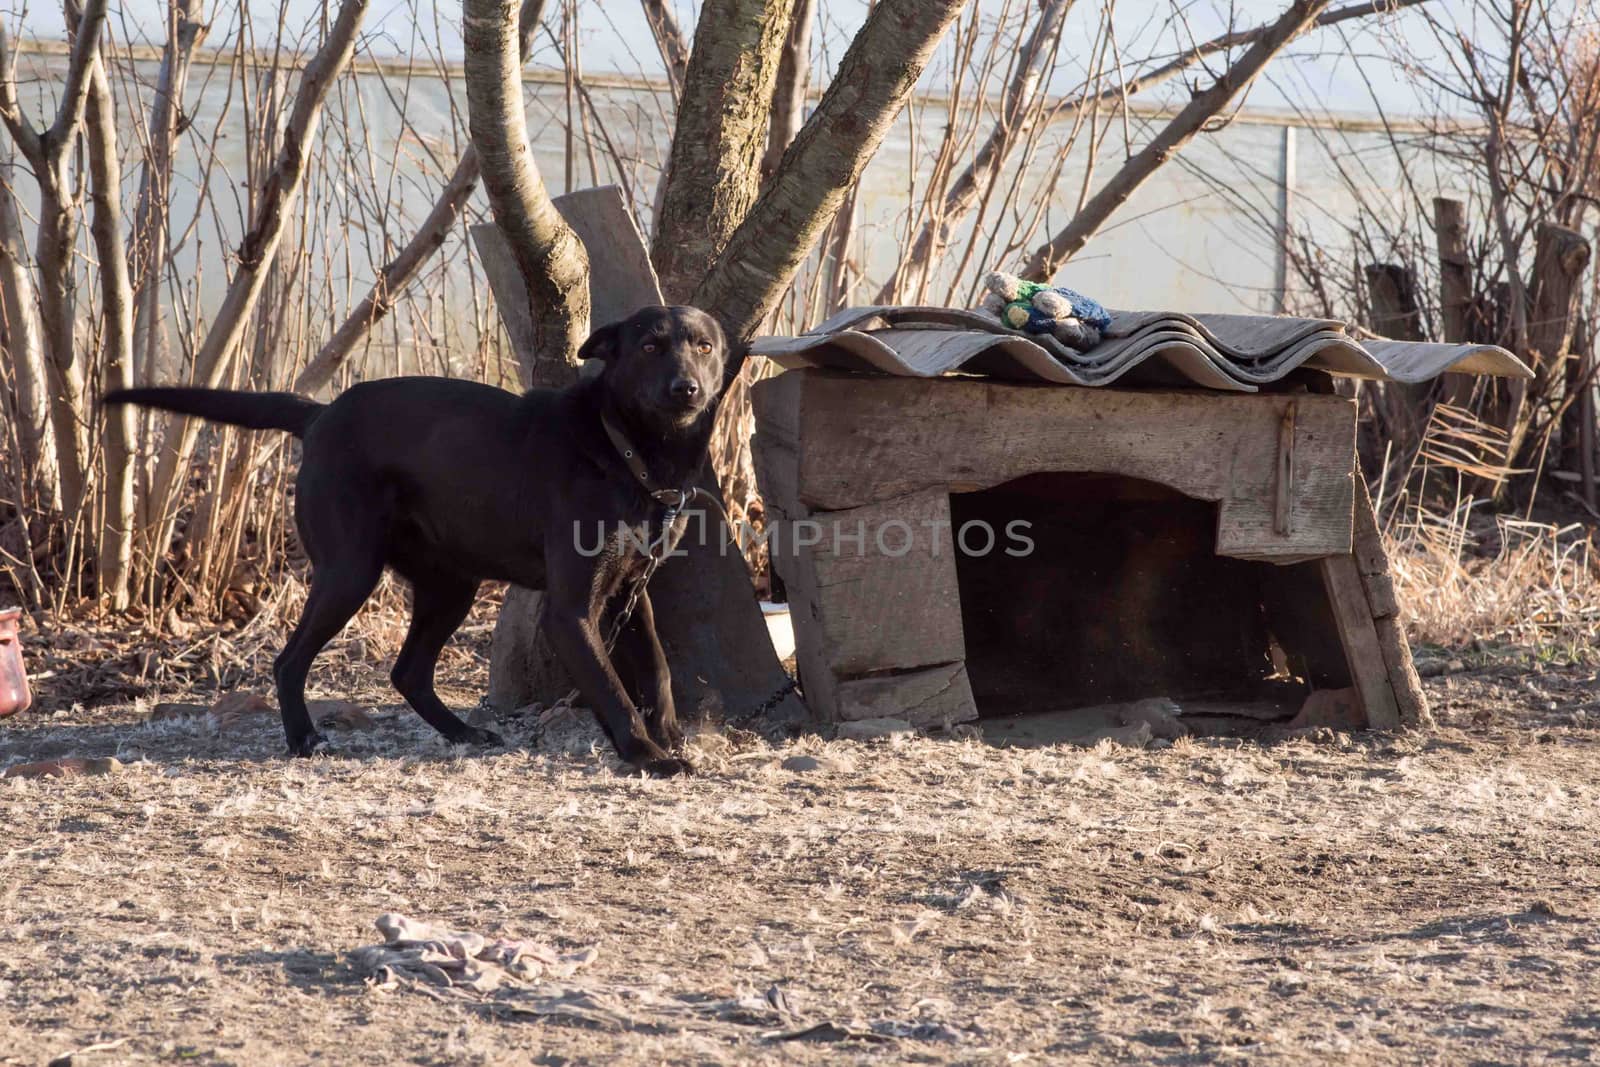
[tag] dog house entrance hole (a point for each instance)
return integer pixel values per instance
(1123, 597)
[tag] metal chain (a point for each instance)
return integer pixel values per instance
(791, 683)
(622, 617)
(658, 552)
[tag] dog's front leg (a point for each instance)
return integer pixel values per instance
(576, 637)
(646, 662)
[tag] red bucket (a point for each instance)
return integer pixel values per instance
(14, 694)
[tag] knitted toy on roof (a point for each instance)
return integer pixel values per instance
(1071, 318)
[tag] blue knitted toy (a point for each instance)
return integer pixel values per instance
(1071, 318)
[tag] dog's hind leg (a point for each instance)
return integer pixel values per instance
(438, 606)
(337, 593)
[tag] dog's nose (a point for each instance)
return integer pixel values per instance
(684, 388)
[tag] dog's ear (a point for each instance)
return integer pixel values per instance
(602, 343)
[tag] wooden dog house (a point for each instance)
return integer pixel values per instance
(1202, 536)
(1214, 547)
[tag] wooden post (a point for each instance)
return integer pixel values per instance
(1363, 652)
(1455, 270)
(617, 256)
(1286, 182)
(1392, 290)
(1372, 563)
(1578, 409)
(1455, 289)
(1560, 257)
(1586, 416)
(1395, 313)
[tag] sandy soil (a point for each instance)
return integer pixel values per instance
(1371, 899)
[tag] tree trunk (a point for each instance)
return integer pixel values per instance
(49, 154)
(789, 92)
(1560, 257)
(875, 77)
(58, 234)
(24, 348)
(1203, 107)
(554, 265)
(1393, 292)
(115, 570)
(148, 239)
(713, 173)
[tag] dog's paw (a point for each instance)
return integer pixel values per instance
(667, 768)
(669, 738)
(477, 735)
(309, 745)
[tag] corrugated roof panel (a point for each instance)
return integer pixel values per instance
(1237, 353)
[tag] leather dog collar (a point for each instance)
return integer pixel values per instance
(630, 457)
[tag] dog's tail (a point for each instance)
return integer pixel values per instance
(255, 411)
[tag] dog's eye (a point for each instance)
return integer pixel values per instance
(705, 348)
(649, 347)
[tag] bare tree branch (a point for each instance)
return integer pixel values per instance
(259, 246)
(282, 183)
(1221, 43)
(713, 174)
(554, 266)
(147, 242)
(20, 337)
(401, 271)
(75, 93)
(874, 78)
(669, 40)
(789, 94)
(1047, 259)
(115, 564)
(48, 153)
(395, 276)
(22, 131)
(1017, 115)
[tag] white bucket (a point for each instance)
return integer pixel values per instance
(779, 627)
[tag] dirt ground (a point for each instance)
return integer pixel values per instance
(1371, 899)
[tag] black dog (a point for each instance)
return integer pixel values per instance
(451, 483)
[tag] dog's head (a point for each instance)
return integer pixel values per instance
(663, 365)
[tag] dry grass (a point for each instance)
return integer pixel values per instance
(1468, 577)
(1498, 580)
(1417, 897)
